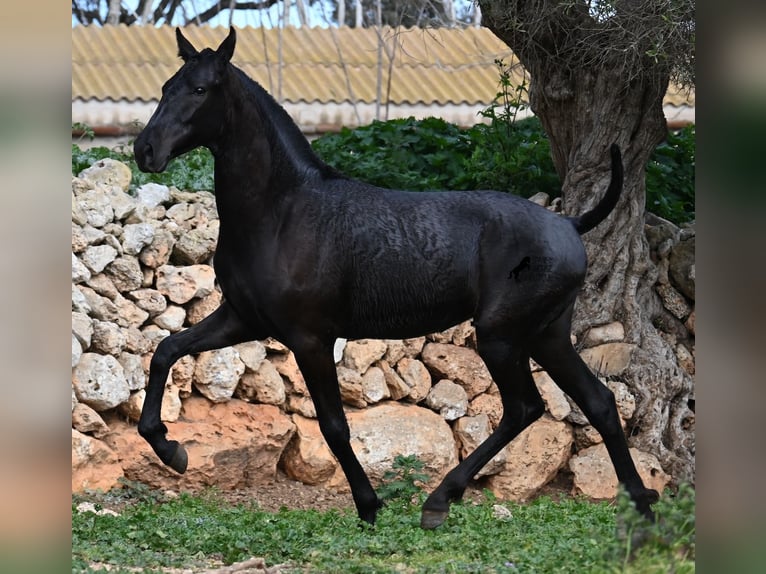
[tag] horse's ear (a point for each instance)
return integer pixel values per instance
(226, 49)
(185, 49)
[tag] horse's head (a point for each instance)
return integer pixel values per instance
(190, 112)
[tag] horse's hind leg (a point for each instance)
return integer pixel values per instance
(508, 364)
(553, 350)
(219, 329)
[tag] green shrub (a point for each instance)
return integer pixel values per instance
(670, 177)
(429, 154)
(191, 172)
(400, 154)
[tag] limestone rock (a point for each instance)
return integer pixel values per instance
(608, 333)
(182, 284)
(374, 388)
(585, 436)
(288, 368)
(416, 377)
(128, 313)
(307, 458)
(103, 285)
(136, 236)
(182, 375)
(350, 383)
(470, 432)
(230, 445)
(195, 246)
(533, 459)
(157, 253)
(94, 206)
(448, 399)
(125, 273)
(108, 173)
(171, 318)
(359, 355)
(488, 404)
(133, 369)
(108, 338)
(86, 420)
(82, 328)
(170, 409)
(265, 386)
(99, 381)
(202, 307)
(153, 194)
(555, 400)
(458, 364)
(302, 405)
(150, 300)
(608, 359)
(97, 257)
(252, 354)
(594, 474)
(382, 432)
(80, 273)
(95, 466)
(397, 388)
(76, 350)
(217, 373)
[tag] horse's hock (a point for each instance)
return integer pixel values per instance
(141, 269)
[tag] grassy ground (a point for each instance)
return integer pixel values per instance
(200, 533)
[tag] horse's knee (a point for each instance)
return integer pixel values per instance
(335, 431)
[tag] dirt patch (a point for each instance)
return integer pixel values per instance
(288, 493)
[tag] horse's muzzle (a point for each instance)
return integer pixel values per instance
(146, 159)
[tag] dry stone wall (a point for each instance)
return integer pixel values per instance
(142, 269)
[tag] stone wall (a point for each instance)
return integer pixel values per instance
(141, 269)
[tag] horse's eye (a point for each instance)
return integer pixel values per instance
(200, 91)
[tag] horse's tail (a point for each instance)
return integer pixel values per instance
(590, 219)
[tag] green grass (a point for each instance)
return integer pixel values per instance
(543, 536)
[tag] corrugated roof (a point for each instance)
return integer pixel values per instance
(431, 66)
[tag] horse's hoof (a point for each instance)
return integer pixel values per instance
(180, 460)
(430, 519)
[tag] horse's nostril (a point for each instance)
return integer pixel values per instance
(148, 151)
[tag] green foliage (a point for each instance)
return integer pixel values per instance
(572, 535)
(404, 480)
(191, 172)
(670, 177)
(399, 154)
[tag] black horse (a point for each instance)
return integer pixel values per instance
(307, 255)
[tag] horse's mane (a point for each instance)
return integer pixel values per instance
(282, 129)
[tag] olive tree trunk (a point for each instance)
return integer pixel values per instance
(584, 110)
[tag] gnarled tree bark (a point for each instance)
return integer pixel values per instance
(587, 97)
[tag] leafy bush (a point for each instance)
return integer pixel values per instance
(670, 177)
(400, 154)
(193, 171)
(404, 480)
(429, 154)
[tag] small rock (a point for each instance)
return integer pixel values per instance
(217, 373)
(416, 376)
(99, 381)
(182, 284)
(171, 318)
(136, 236)
(80, 273)
(153, 194)
(374, 388)
(97, 257)
(448, 399)
(359, 355)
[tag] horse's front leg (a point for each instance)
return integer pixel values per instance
(221, 328)
(315, 361)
